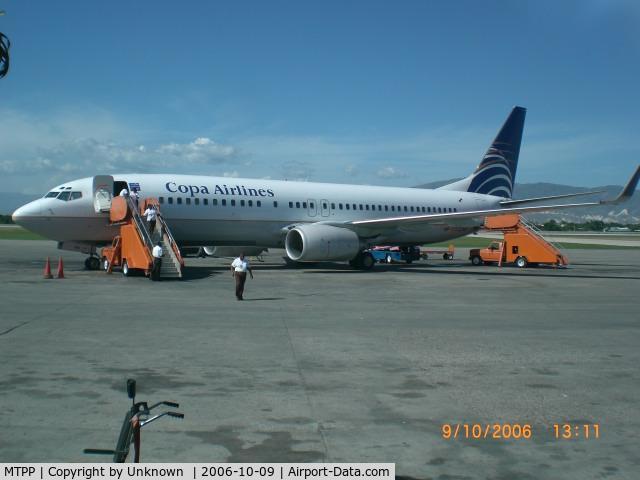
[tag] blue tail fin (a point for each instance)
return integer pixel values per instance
(496, 173)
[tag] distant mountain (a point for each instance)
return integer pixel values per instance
(10, 201)
(628, 212)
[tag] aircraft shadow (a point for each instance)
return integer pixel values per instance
(262, 299)
(199, 273)
(537, 272)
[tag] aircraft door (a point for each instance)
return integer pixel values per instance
(324, 207)
(312, 207)
(102, 188)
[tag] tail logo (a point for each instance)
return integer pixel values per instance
(495, 174)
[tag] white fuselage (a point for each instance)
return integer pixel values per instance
(237, 211)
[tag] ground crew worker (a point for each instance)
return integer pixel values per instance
(239, 269)
(124, 192)
(157, 262)
(152, 215)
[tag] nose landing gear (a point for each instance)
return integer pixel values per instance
(92, 263)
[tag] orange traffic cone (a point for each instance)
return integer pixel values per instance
(47, 269)
(60, 268)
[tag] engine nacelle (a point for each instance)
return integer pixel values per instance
(233, 251)
(313, 243)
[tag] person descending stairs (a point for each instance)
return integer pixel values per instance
(132, 248)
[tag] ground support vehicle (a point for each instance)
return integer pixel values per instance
(395, 254)
(446, 254)
(523, 245)
(131, 248)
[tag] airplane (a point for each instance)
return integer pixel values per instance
(311, 221)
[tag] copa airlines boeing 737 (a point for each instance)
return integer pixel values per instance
(312, 221)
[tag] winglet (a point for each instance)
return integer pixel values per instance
(627, 192)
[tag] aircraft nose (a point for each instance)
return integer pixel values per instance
(25, 212)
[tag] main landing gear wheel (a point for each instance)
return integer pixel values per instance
(92, 263)
(367, 261)
(363, 261)
(521, 262)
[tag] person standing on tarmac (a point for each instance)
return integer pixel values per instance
(157, 262)
(239, 269)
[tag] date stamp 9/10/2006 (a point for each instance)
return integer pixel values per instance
(517, 431)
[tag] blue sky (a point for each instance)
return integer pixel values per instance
(371, 92)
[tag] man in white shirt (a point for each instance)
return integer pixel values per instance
(157, 262)
(151, 213)
(239, 269)
(124, 192)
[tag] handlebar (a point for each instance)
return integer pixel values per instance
(134, 420)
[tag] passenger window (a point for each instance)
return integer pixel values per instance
(365, 206)
(205, 201)
(412, 209)
(311, 205)
(439, 209)
(386, 208)
(346, 206)
(179, 199)
(455, 209)
(379, 208)
(297, 204)
(214, 201)
(170, 200)
(224, 202)
(333, 206)
(196, 201)
(258, 203)
(188, 201)
(324, 205)
(339, 206)
(161, 199)
(250, 203)
(233, 203)
(360, 206)
(64, 196)
(290, 204)
(275, 204)
(304, 204)
(405, 208)
(242, 203)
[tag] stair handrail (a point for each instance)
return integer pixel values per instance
(531, 226)
(140, 224)
(166, 231)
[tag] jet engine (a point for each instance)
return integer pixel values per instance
(233, 251)
(313, 243)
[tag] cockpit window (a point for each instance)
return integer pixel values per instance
(75, 195)
(64, 196)
(51, 194)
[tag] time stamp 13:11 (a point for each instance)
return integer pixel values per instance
(506, 431)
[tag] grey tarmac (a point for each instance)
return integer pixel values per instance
(327, 364)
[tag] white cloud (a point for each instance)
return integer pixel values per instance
(390, 172)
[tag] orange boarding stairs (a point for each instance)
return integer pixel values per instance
(132, 247)
(514, 226)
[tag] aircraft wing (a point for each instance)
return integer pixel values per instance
(523, 201)
(624, 195)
